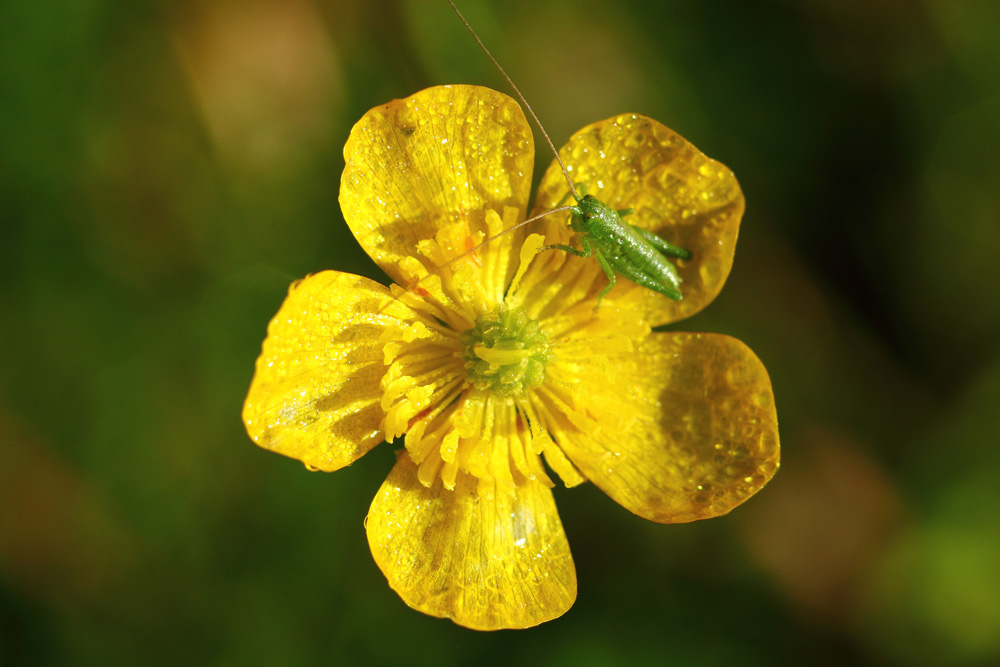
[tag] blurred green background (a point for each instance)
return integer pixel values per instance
(168, 168)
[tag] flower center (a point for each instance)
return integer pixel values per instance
(505, 352)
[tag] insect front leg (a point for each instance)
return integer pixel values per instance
(602, 261)
(587, 251)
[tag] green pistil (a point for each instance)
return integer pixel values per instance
(506, 352)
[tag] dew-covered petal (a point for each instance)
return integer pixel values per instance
(315, 393)
(418, 165)
(691, 201)
(485, 562)
(694, 431)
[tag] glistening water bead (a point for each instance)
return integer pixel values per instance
(506, 352)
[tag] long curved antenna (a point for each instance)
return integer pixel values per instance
(522, 98)
(473, 249)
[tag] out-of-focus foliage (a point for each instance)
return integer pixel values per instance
(168, 168)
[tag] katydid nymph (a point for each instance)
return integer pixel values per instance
(619, 248)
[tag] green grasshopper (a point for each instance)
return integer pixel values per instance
(619, 248)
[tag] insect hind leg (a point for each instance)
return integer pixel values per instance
(660, 244)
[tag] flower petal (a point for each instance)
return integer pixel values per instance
(632, 161)
(417, 165)
(485, 563)
(695, 433)
(315, 393)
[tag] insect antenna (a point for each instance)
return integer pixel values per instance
(520, 96)
(559, 209)
(476, 247)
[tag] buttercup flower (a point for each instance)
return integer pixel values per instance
(499, 359)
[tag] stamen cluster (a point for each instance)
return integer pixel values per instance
(506, 352)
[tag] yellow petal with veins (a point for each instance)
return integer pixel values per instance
(694, 432)
(444, 155)
(631, 161)
(484, 562)
(315, 394)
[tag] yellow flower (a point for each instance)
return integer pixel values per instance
(500, 359)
